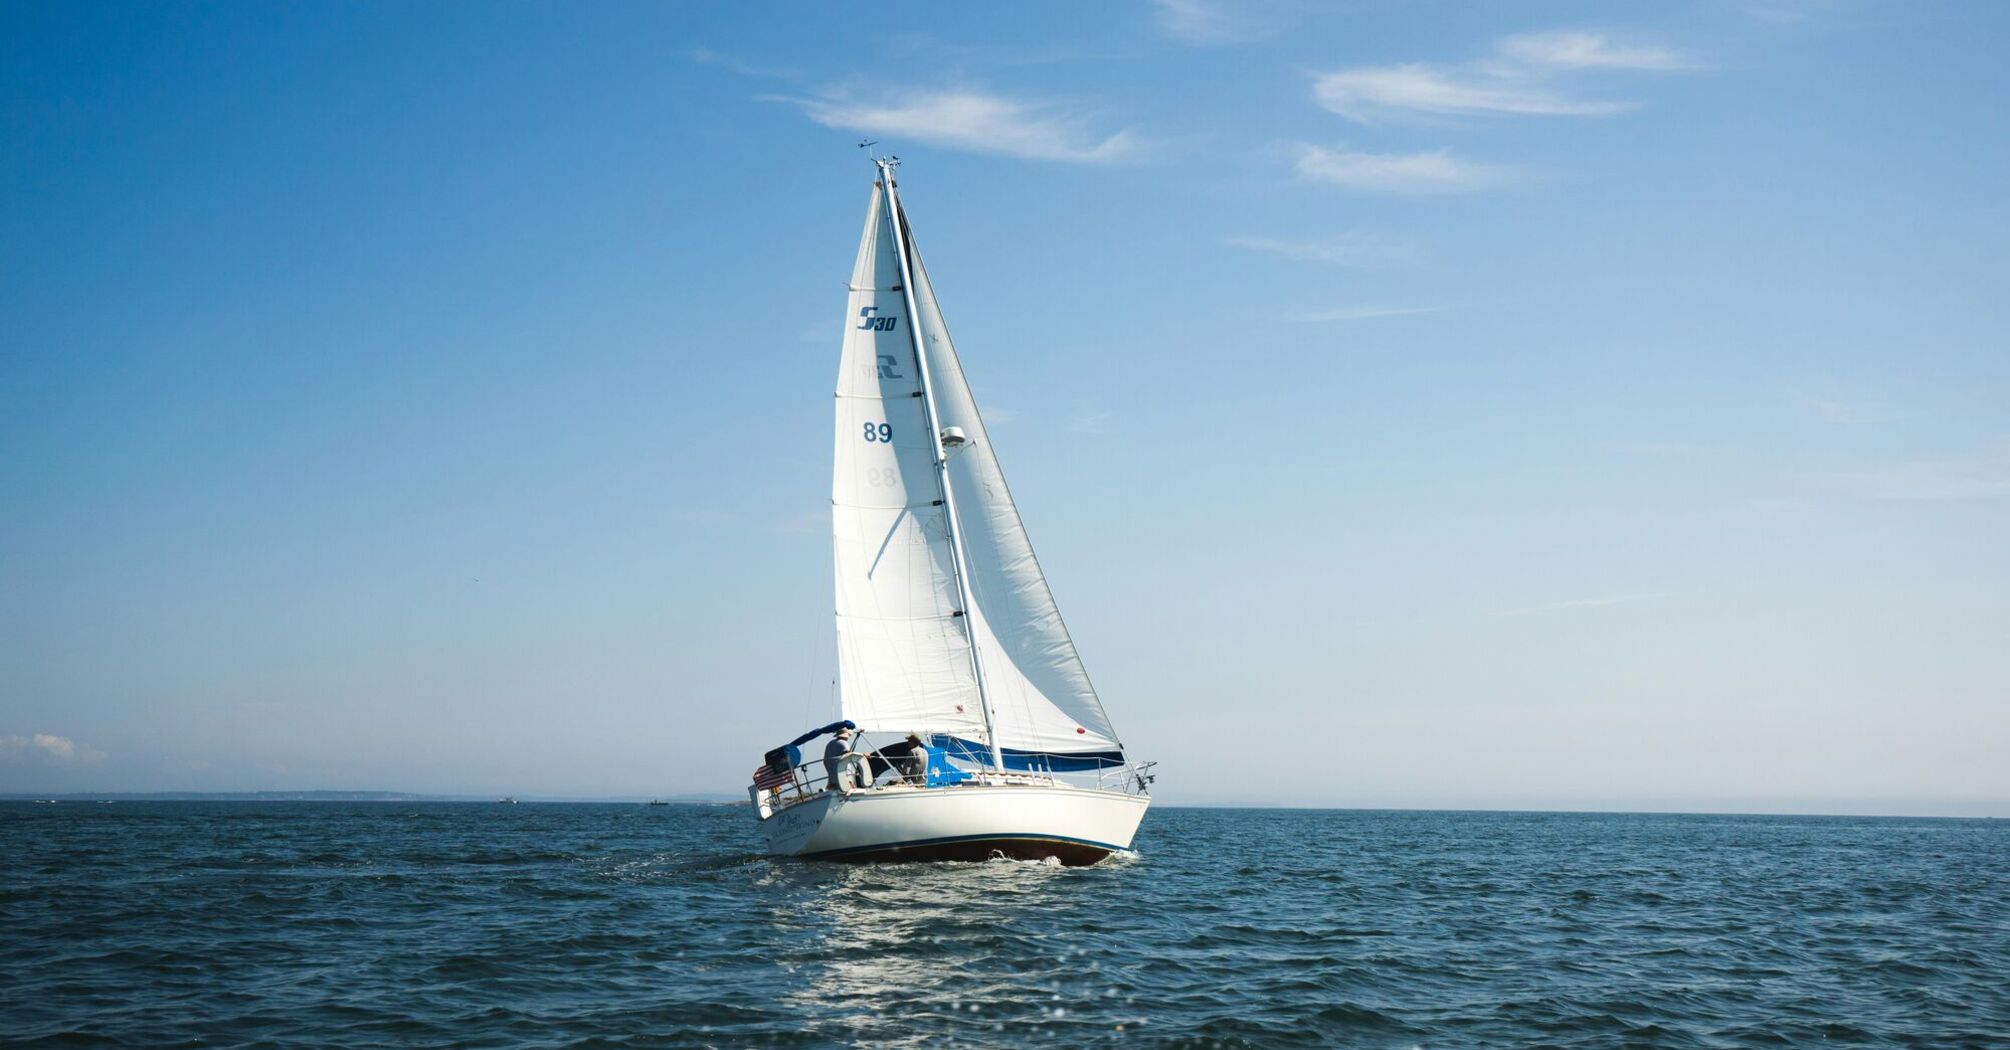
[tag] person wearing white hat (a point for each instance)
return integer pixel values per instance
(834, 753)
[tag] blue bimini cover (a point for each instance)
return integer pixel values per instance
(789, 755)
(815, 733)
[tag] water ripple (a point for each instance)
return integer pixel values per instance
(330, 925)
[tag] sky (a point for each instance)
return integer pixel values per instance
(1542, 405)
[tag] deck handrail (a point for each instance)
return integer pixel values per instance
(812, 777)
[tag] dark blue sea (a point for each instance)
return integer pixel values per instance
(218, 924)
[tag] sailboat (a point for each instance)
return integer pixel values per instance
(969, 730)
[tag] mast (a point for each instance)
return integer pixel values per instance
(956, 555)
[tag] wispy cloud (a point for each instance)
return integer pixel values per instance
(1579, 603)
(733, 65)
(1436, 171)
(1358, 313)
(1833, 409)
(1090, 420)
(1212, 23)
(51, 749)
(1370, 94)
(974, 121)
(1518, 78)
(1350, 249)
(1582, 49)
(1985, 476)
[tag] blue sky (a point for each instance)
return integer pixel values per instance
(1508, 405)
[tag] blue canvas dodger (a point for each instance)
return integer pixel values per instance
(1030, 761)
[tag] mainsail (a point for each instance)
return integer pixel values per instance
(910, 657)
(903, 659)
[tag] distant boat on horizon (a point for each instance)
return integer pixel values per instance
(656, 802)
(507, 800)
(950, 647)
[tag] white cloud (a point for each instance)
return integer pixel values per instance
(733, 65)
(1581, 49)
(1209, 23)
(1089, 420)
(974, 121)
(1373, 93)
(51, 749)
(1518, 79)
(1350, 249)
(1431, 172)
(1358, 313)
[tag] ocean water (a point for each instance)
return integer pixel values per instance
(390, 924)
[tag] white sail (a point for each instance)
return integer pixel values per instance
(1041, 697)
(909, 655)
(903, 653)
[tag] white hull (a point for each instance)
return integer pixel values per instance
(1029, 821)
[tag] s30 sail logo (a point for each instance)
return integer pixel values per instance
(866, 320)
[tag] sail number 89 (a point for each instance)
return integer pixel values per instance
(882, 432)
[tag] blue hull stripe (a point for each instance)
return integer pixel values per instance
(1043, 761)
(913, 843)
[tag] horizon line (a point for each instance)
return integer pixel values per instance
(692, 798)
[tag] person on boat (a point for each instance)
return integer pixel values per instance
(914, 765)
(834, 753)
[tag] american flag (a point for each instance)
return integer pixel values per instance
(767, 777)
